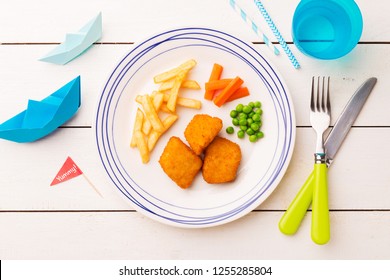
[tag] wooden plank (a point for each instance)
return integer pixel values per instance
(24, 77)
(124, 21)
(359, 178)
(346, 75)
(354, 235)
(70, 221)
(29, 169)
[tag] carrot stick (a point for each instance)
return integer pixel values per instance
(241, 92)
(228, 91)
(215, 75)
(217, 84)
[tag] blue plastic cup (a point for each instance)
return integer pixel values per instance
(327, 29)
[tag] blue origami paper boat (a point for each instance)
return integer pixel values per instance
(76, 43)
(43, 117)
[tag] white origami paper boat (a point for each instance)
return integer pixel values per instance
(76, 43)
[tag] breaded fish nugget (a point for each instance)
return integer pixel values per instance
(221, 161)
(179, 162)
(201, 131)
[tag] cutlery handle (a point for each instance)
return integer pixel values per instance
(320, 226)
(294, 214)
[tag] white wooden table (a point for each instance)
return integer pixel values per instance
(72, 222)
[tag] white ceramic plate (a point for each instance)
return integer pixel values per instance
(146, 186)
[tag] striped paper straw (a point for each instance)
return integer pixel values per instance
(277, 34)
(254, 26)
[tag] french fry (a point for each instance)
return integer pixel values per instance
(165, 109)
(191, 84)
(139, 117)
(156, 102)
(148, 127)
(138, 99)
(142, 146)
(184, 102)
(158, 99)
(151, 113)
(165, 76)
(171, 103)
(189, 103)
(155, 135)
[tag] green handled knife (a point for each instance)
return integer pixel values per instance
(294, 214)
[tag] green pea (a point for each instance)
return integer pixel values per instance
(250, 131)
(255, 126)
(253, 138)
(248, 119)
(239, 107)
(242, 116)
(243, 122)
(230, 130)
(247, 109)
(259, 134)
(233, 113)
(256, 117)
(241, 134)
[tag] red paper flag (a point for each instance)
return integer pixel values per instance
(68, 171)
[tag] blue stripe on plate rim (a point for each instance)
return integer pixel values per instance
(208, 38)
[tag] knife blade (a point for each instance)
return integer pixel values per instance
(294, 214)
(347, 118)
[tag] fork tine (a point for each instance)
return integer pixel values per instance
(318, 94)
(328, 98)
(312, 95)
(323, 109)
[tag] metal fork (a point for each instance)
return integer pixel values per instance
(319, 111)
(320, 120)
